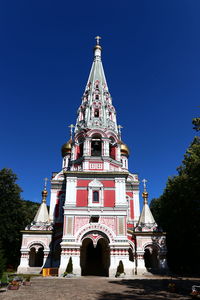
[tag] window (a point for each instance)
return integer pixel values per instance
(94, 219)
(97, 97)
(96, 148)
(95, 197)
(95, 193)
(96, 113)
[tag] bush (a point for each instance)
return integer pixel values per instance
(69, 269)
(120, 269)
(2, 263)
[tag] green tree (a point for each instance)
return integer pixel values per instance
(15, 214)
(2, 262)
(177, 211)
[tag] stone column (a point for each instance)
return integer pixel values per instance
(141, 269)
(24, 262)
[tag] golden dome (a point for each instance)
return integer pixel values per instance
(145, 195)
(44, 193)
(67, 148)
(124, 149)
(97, 47)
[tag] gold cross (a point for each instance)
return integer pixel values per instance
(97, 38)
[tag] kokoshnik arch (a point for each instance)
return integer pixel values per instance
(94, 215)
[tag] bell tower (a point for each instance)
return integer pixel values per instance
(94, 219)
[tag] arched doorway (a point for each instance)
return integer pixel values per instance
(151, 259)
(95, 257)
(36, 256)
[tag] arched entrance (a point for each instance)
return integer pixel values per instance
(95, 256)
(36, 256)
(151, 259)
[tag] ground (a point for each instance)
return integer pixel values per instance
(100, 288)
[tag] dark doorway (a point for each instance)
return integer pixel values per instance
(151, 259)
(36, 257)
(95, 260)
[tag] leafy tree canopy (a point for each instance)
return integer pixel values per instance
(15, 214)
(178, 212)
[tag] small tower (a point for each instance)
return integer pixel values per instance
(150, 241)
(36, 239)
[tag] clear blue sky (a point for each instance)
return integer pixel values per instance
(151, 57)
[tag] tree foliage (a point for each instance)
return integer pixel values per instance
(2, 262)
(15, 214)
(177, 211)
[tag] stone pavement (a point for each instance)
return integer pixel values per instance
(101, 288)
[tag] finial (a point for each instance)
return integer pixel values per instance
(120, 133)
(97, 38)
(144, 182)
(44, 192)
(145, 193)
(71, 126)
(45, 182)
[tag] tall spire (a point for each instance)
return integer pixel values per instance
(96, 109)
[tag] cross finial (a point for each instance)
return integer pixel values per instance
(144, 182)
(97, 38)
(45, 182)
(119, 128)
(71, 126)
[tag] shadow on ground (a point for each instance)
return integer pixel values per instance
(145, 289)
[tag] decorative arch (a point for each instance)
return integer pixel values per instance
(95, 237)
(34, 243)
(113, 135)
(151, 245)
(95, 228)
(96, 131)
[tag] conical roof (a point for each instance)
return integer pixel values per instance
(146, 217)
(96, 109)
(146, 220)
(42, 215)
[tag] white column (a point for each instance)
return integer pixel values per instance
(52, 204)
(106, 148)
(120, 192)
(64, 260)
(136, 206)
(70, 198)
(24, 263)
(141, 269)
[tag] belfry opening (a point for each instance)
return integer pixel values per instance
(95, 257)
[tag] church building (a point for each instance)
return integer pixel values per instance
(94, 217)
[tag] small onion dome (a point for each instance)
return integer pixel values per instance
(44, 193)
(67, 148)
(124, 149)
(145, 195)
(97, 47)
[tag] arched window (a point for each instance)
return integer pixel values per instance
(96, 145)
(97, 97)
(112, 148)
(95, 197)
(96, 113)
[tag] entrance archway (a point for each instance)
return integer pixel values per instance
(36, 256)
(95, 257)
(151, 259)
